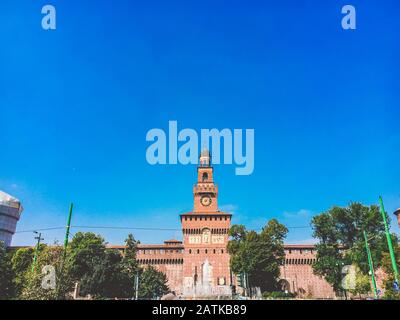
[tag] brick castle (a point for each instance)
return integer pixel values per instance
(199, 265)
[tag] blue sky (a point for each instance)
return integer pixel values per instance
(76, 104)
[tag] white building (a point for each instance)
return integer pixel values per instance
(10, 212)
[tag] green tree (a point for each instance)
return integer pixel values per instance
(21, 263)
(84, 249)
(49, 256)
(6, 274)
(101, 272)
(390, 293)
(152, 283)
(329, 264)
(106, 279)
(130, 265)
(362, 283)
(341, 240)
(258, 254)
(86, 257)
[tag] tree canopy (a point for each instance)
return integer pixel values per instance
(102, 273)
(6, 274)
(341, 240)
(153, 284)
(390, 293)
(258, 254)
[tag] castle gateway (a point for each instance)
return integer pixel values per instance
(199, 266)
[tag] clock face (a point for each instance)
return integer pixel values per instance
(206, 201)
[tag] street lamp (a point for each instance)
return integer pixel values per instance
(39, 238)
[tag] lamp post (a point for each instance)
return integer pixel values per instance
(61, 279)
(39, 238)
(371, 265)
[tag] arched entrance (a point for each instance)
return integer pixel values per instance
(284, 285)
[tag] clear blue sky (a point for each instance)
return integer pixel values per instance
(76, 104)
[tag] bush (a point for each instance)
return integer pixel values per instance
(278, 295)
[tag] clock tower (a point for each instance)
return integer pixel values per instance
(205, 236)
(205, 191)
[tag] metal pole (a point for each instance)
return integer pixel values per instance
(371, 265)
(389, 241)
(248, 285)
(65, 249)
(39, 237)
(137, 286)
(67, 231)
(233, 287)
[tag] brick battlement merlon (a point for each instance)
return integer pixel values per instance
(211, 213)
(177, 246)
(163, 246)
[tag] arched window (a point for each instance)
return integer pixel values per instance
(204, 177)
(284, 285)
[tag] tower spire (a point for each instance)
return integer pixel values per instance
(205, 158)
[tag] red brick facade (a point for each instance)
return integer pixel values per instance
(297, 273)
(199, 266)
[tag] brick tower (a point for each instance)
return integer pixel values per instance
(205, 236)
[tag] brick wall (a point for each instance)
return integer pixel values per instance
(298, 273)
